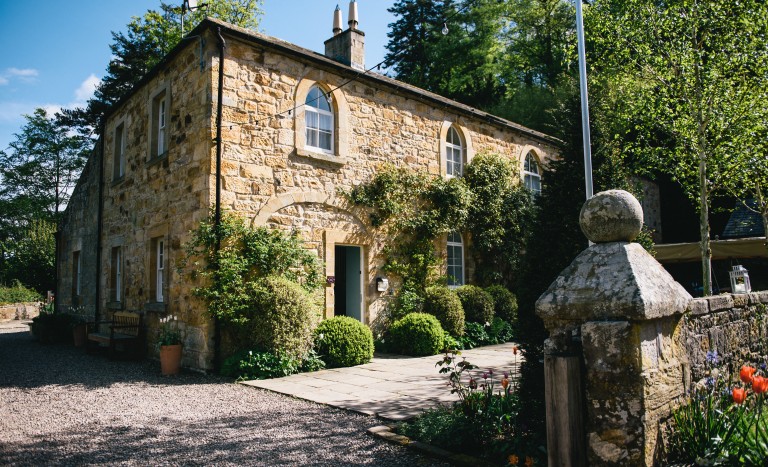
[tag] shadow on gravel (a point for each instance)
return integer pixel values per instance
(240, 440)
(26, 363)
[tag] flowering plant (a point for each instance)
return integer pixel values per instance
(169, 333)
(720, 423)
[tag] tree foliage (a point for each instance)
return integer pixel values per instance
(38, 173)
(146, 40)
(688, 91)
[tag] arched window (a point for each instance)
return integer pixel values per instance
(532, 174)
(318, 118)
(455, 255)
(454, 153)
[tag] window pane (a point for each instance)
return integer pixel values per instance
(325, 140)
(326, 122)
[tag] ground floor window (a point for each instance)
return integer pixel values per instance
(455, 256)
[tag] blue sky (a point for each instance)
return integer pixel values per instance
(54, 52)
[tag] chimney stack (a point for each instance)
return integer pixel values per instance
(347, 47)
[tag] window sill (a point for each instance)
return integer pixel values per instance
(319, 156)
(118, 181)
(114, 305)
(158, 307)
(161, 159)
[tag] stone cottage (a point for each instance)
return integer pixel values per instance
(272, 132)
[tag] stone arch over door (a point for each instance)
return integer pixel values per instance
(325, 222)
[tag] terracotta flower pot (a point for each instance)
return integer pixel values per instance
(170, 359)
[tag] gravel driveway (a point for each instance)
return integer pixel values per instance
(59, 406)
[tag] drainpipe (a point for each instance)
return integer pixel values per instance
(99, 227)
(217, 215)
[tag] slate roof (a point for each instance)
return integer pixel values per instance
(744, 222)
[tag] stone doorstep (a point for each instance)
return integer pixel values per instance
(387, 434)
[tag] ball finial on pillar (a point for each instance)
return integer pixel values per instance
(611, 216)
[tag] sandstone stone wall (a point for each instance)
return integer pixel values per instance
(15, 311)
(734, 325)
(268, 174)
(78, 232)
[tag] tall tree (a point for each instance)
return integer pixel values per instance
(145, 42)
(688, 81)
(37, 175)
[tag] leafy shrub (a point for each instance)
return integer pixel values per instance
(443, 303)
(477, 304)
(53, 328)
(475, 335)
(343, 341)
(407, 301)
(504, 303)
(417, 334)
(282, 316)
(17, 293)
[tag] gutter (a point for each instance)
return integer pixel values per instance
(99, 226)
(217, 215)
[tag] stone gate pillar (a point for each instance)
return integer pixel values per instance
(614, 310)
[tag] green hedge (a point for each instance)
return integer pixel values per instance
(17, 293)
(417, 334)
(477, 304)
(443, 303)
(343, 341)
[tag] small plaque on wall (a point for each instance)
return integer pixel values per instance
(330, 280)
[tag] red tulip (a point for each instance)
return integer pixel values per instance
(759, 384)
(739, 395)
(746, 373)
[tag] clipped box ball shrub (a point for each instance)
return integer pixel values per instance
(477, 304)
(283, 316)
(417, 334)
(343, 341)
(443, 303)
(504, 303)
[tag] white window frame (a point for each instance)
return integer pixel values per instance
(531, 173)
(312, 108)
(162, 108)
(454, 166)
(159, 106)
(453, 246)
(160, 270)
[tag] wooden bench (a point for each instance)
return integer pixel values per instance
(124, 332)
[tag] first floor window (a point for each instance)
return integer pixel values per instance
(318, 116)
(454, 153)
(531, 174)
(455, 259)
(159, 130)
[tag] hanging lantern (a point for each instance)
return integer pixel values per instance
(740, 280)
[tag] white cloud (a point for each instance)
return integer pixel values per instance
(86, 89)
(22, 73)
(3, 80)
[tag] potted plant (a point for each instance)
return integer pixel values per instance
(169, 342)
(79, 326)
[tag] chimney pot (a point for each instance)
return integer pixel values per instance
(353, 15)
(337, 20)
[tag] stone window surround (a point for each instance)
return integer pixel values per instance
(152, 153)
(117, 176)
(152, 235)
(469, 151)
(341, 117)
(535, 152)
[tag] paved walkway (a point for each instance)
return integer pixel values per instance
(392, 387)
